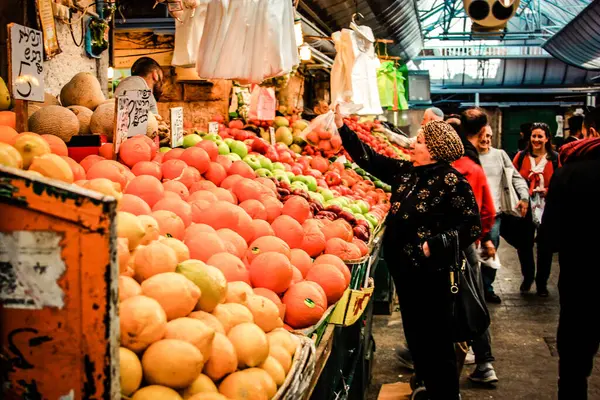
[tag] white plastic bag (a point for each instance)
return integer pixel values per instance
(188, 35)
(488, 262)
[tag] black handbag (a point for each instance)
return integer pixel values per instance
(469, 315)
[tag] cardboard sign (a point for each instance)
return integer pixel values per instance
(121, 122)
(45, 17)
(213, 127)
(176, 127)
(26, 63)
(272, 135)
(137, 108)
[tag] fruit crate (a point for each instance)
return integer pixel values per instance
(301, 372)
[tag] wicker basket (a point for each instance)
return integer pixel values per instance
(300, 375)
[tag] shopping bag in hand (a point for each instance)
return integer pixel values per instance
(323, 134)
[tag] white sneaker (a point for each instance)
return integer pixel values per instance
(470, 358)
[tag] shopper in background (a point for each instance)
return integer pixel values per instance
(578, 335)
(575, 129)
(536, 164)
(418, 257)
(524, 136)
(146, 74)
(494, 162)
(432, 114)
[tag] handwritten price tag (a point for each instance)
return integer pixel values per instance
(176, 127)
(213, 127)
(137, 108)
(122, 122)
(26, 63)
(272, 135)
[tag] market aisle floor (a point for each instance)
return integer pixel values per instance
(524, 343)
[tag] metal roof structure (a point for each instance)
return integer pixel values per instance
(578, 43)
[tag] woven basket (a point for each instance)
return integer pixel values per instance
(300, 375)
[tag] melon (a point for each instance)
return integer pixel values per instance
(232, 314)
(103, 120)
(210, 280)
(155, 258)
(54, 120)
(223, 358)
(30, 146)
(156, 392)
(174, 292)
(201, 385)
(130, 371)
(84, 116)
(172, 363)
(264, 311)
(241, 385)
(209, 320)
(193, 331)
(142, 321)
(82, 90)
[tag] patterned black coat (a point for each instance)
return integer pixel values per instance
(426, 202)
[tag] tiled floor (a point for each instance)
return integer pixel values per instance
(523, 334)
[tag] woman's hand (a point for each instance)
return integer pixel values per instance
(489, 250)
(522, 207)
(339, 118)
(426, 250)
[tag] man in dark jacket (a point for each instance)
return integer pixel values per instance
(563, 225)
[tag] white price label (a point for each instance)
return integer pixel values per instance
(27, 63)
(137, 108)
(176, 127)
(272, 134)
(121, 122)
(213, 127)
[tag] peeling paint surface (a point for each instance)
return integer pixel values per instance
(30, 266)
(69, 396)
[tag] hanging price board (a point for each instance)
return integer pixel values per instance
(137, 108)
(213, 127)
(176, 126)
(121, 122)
(26, 63)
(272, 135)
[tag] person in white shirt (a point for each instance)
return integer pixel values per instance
(493, 162)
(145, 74)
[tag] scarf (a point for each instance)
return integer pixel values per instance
(580, 149)
(536, 175)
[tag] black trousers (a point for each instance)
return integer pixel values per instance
(424, 303)
(525, 253)
(578, 335)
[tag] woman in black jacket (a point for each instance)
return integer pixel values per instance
(431, 202)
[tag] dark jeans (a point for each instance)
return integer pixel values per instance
(424, 303)
(578, 335)
(482, 346)
(489, 274)
(525, 253)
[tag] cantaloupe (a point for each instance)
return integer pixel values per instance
(84, 116)
(176, 294)
(131, 371)
(156, 392)
(172, 363)
(223, 358)
(143, 322)
(103, 120)
(82, 90)
(55, 120)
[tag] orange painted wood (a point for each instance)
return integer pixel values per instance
(70, 351)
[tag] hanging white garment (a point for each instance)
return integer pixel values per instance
(188, 35)
(354, 71)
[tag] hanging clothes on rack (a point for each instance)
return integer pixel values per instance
(354, 70)
(390, 83)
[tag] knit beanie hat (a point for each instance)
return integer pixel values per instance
(442, 141)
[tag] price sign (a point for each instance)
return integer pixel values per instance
(137, 108)
(176, 126)
(213, 127)
(121, 122)
(272, 135)
(26, 48)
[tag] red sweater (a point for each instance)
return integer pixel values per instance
(481, 190)
(525, 170)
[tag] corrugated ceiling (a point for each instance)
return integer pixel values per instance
(578, 43)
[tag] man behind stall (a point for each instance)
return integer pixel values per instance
(146, 74)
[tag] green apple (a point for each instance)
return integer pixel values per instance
(299, 185)
(311, 182)
(191, 140)
(356, 209)
(279, 166)
(252, 161)
(281, 176)
(229, 141)
(335, 202)
(290, 175)
(223, 148)
(326, 193)
(164, 149)
(360, 216)
(372, 219)
(239, 148)
(348, 209)
(265, 162)
(212, 136)
(263, 172)
(317, 196)
(296, 149)
(299, 178)
(344, 200)
(364, 206)
(234, 157)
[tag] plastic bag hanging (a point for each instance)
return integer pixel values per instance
(323, 133)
